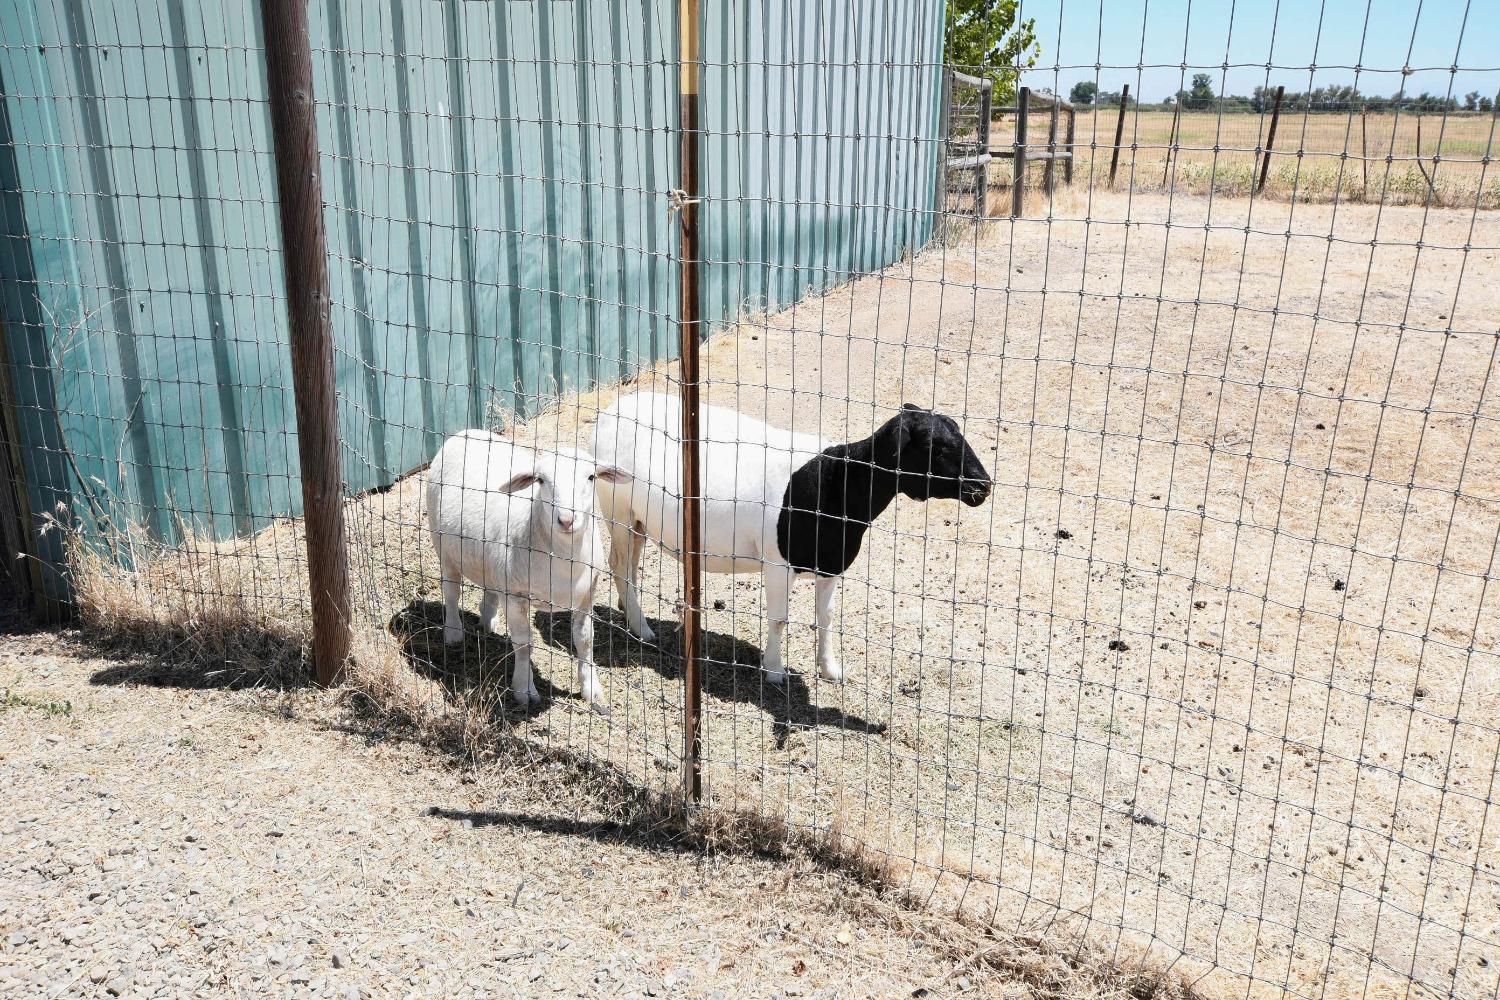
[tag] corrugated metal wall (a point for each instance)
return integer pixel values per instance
(498, 227)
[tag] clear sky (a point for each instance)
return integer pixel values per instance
(1382, 36)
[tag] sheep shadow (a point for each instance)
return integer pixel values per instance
(480, 664)
(733, 666)
(733, 670)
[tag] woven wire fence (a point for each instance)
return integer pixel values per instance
(1207, 677)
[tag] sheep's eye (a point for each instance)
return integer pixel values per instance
(591, 478)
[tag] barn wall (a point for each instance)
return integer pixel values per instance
(495, 178)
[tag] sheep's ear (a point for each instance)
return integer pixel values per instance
(910, 406)
(519, 482)
(611, 474)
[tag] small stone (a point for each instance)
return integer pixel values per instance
(340, 960)
(17, 939)
(98, 974)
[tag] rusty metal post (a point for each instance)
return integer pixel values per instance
(689, 143)
(1018, 157)
(1364, 152)
(1265, 157)
(1171, 142)
(1114, 158)
(304, 258)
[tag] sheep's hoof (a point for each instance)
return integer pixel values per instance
(645, 634)
(777, 677)
(832, 672)
(593, 693)
(453, 634)
(526, 699)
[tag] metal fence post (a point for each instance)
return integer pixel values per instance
(1171, 141)
(1018, 158)
(689, 139)
(1114, 158)
(305, 261)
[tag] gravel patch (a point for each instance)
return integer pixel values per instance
(184, 843)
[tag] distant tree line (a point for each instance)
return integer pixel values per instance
(1201, 97)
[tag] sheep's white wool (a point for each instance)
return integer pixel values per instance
(520, 524)
(774, 502)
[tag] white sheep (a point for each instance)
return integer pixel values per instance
(520, 524)
(774, 502)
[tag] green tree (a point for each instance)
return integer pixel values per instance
(1201, 96)
(1486, 104)
(1083, 93)
(1471, 101)
(985, 36)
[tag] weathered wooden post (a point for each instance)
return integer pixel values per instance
(1072, 138)
(1050, 172)
(1265, 156)
(1114, 158)
(1018, 157)
(305, 263)
(687, 202)
(982, 152)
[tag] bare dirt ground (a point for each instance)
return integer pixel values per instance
(1213, 677)
(173, 843)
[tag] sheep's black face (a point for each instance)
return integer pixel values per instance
(932, 459)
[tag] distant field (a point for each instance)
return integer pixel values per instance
(1341, 152)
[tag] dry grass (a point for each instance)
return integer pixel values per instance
(1343, 157)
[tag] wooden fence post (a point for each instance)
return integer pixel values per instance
(689, 99)
(1072, 137)
(1265, 157)
(1114, 158)
(305, 262)
(1018, 158)
(982, 150)
(1049, 177)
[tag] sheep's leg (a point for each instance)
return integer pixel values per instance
(828, 654)
(489, 610)
(778, 594)
(583, 648)
(518, 623)
(453, 626)
(626, 544)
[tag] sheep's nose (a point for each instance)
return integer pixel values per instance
(566, 521)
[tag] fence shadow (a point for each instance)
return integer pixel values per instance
(180, 657)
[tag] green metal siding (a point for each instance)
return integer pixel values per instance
(498, 227)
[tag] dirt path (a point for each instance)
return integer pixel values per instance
(164, 842)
